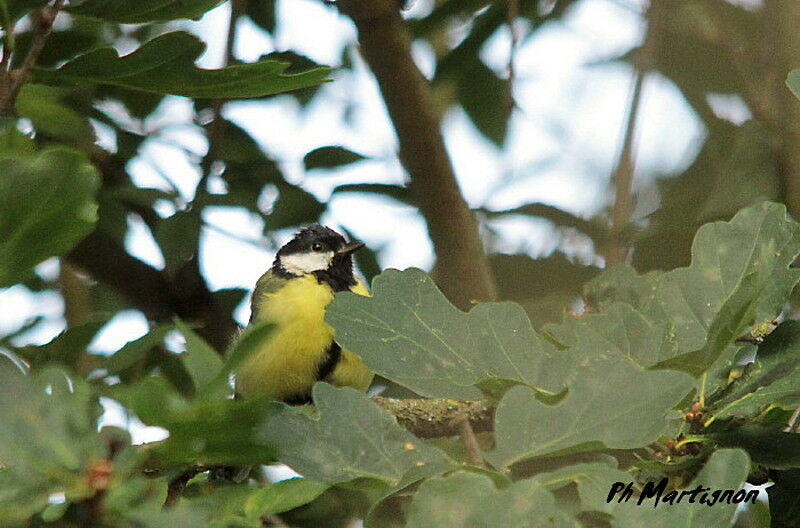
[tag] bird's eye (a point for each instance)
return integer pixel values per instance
(316, 247)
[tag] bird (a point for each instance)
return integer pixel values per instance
(293, 295)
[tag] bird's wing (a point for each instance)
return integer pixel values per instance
(268, 283)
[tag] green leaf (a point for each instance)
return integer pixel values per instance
(13, 143)
(766, 445)
(784, 498)
(202, 430)
(466, 500)
(202, 362)
(46, 206)
(165, 65)
(409, 333)
(773, 379)
(619, 329)
(178, 237)
(353, 438)
(592, 414)
(735, 169)
(330, 157)
(142, 10)
(739, 277)
(47, 441)
(283, 496)
(592, 480)
(397, 192)
(65, 349)
(295, 206)
(725, 470)
(560, 218)
(45, 107)
(262, 13)
(545, 287)
(485, 98)
(135, 351)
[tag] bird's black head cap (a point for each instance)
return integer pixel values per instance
(318, 242)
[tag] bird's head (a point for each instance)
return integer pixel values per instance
(321, 251)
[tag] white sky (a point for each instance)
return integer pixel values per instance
(562, 145)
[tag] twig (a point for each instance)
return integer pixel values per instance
(217, 126)
(623, 173)
(623, 179)
(272, 519)
(151, 291)
(794, 422)
(470, 442)
(43, 25)
(512, 13)
(462, 269)
(178, 484)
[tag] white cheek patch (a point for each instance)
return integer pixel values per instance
(303, 263)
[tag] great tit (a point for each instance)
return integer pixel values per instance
(293, 295)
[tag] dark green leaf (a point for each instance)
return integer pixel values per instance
(559, 217)
(295, 206)
(178, 237)
(13, 10)
(46, 206)
(330, 157)
(773, 379)
(766, 445)
(142, 10)
(784, 498)
(165, 65)
(262, 13)
(486, 99)
(398, 192)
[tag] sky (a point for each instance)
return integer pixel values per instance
(564, 140)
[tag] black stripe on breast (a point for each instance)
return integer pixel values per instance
(329, 361)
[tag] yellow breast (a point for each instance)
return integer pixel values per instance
(287, 363)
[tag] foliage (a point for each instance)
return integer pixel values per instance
(567, 376)
(677, 365)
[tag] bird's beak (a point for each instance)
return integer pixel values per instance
(349, 248)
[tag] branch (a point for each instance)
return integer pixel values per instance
(150, 291)
(617, 252)
(43, 25)
(462, 267)
(440, 416)
(217, 127)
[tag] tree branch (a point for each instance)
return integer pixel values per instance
(43, 25)
(150, 291)
(433, 418)
(463, 271)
